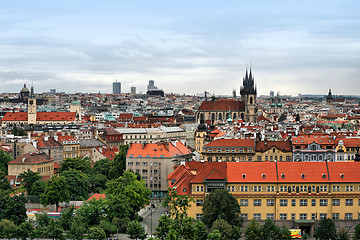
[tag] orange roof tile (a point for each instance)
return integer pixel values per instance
(222, 105)
(232, 143)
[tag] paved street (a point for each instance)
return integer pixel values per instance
(155, 218)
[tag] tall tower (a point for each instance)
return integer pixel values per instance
(75, 106)
(329, 98)
(116, 87)
(32, 107)
(248, 95)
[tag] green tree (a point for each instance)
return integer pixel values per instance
(357, 232)
(286, 234)
(7, 228)
(135, 230)
(54, 230)
(78, 184)
(18, 131)
(326, 230)
(13, 208)
(224, 228)
(221, 204)
(97, 233)
(102, 167)
(343, 234)
(135, 191)
(270, 231)
(42, 219)
(200, 231)
(38, 188)
(108, 227)
(97, 183)
(56, 191)
(67, 217)
(215, 235)
(4, 183)
(77, 229)
(5, 158)
(92, 212)
(119, 163)
(81, 164)
(253, 232)
(24, 230)
(28, 179)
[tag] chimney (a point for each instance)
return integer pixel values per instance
(34, 143)
(46, 138)
(56, 138)
(23, 159)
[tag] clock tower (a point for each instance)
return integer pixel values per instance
(32, 107)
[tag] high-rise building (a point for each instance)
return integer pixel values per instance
(151, 85)
(116, 87)
(133, 90)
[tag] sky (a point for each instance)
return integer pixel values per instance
(185, 46)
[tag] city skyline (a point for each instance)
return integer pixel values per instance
(294, 48)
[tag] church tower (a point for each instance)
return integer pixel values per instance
(248, 95)
(75, 106)
(32, 107)
(329, 98)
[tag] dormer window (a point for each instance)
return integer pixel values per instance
(323, 175)
(263, 175)
(244, 176)
(283, 175)
(342, 175)
(303, 175)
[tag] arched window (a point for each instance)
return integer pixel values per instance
(320, 157)
(251, 100)
(242, 116)
(234, 116)
(313, 157)
(213, 117)
(227, 116)
(201, 116)
(220, 116)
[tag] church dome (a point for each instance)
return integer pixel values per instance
(24, 89)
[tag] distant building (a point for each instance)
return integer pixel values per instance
(230, 109)
(151, 85)
(329, 98)
(38, 162)
(53, 91)
(116, 88)
(133, 90)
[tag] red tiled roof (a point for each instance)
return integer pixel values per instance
(49, 143)
(40, 116)
(222, 105)
(307, 139)
(232, 143)
(17, 116)
(66, 138)
(349, 142)
(96, 196)
(32, 158)
(126, 116)
(158, 149)
(262, 146)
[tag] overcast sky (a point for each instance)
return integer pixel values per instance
(184, 46)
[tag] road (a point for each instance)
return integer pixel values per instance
(156, 214)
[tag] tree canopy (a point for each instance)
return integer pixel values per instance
(326, 230)
(56, 191)
(28, 179)
(5, 158)
(221, 204)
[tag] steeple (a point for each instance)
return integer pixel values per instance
(248, 84)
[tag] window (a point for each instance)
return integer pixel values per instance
(244, 216)
(257, 202)
(231, 188)
(303, 202)
(144, 171)
(293, 216)
(270, 188)
(313, 216)
(199, 202)
(348, 216)
(323, 202)
(293, 202)
(283, 216)
(199, 188)
(244, 202)
(258, 158)
(349, 188)
(270, 216)
(199, 216)
(283, 202)
(257, 188)
(336, 202)
(282, 188)
(288, 158)
(244, 188)
(348, 202)
(303, 216)
(270, 202)
(257, 216)
(336, 188)
(130, 163)
(144, 163)
(336, 216)
(323, 215)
